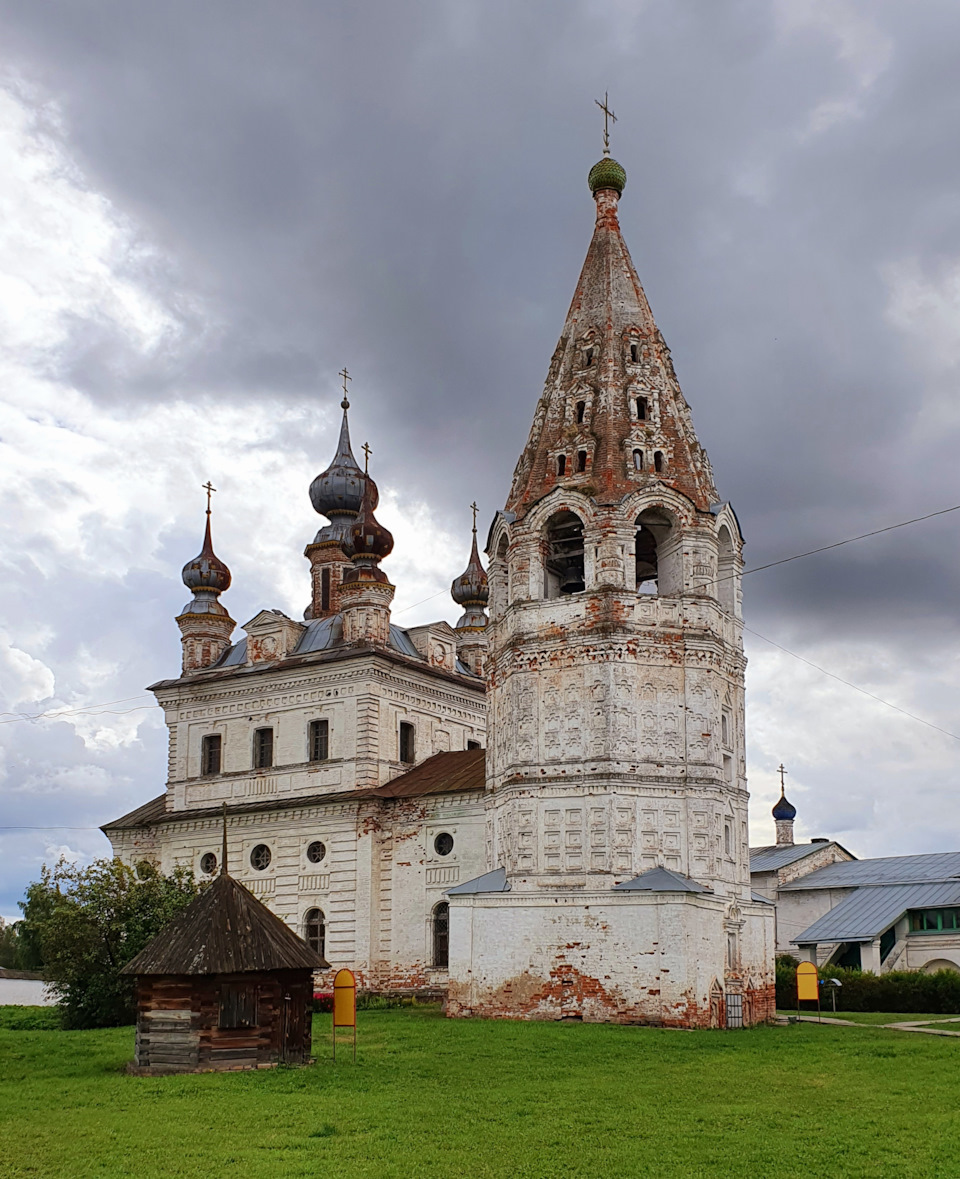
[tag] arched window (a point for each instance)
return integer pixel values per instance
(655, 573)
(441, 936)
(499, 578)
(581, 410)
(315, 931)
(641, 409)
(658, 460)
(638, 460)
(564, 569)
(561, 464)
(581, 460)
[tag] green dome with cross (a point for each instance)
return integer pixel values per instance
(607, 173)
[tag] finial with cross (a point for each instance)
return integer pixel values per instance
(474, 509)
(367, 452)
(345, 404)
(209, 488)
(782, 772)
(608, 118)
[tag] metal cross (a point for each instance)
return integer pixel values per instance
(474, 509)
(608, 118)
(782, 772)
(367, 452)
(346, 377)
(209, 488)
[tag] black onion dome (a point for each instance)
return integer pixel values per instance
(784, 809)
(207, 571)
(368, 538)
(471, 585)
(339, 489)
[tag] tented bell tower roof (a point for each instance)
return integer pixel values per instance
(611, 354)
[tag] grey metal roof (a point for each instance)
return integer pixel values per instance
(660, 880)
(888, 870)
(495, 881)
(401, 641)
(865, 914)
(769, 859)
(234, 656)
(760, 898)
(322, 634)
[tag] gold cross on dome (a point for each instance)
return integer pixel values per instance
(209, 488)
(346, 377)
(367, 452)
(474, 509)
(782, 772)
(608, 118)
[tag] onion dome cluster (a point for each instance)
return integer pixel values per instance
(338, 491)
(471, 591)
(607, 173)
(784, 810)
(367, 541)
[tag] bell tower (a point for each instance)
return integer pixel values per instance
(615, 677)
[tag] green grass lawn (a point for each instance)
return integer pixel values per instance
(872, 1017)
(439, 1098)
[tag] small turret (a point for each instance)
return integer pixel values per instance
(784, 813)
(336, 493)
(470, 591)
(366, 592)
(205, 626)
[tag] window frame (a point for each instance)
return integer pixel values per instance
(440, 936)
(208, 742)
(259, 749)
(318, 736)
(318, 941)
(408, 730)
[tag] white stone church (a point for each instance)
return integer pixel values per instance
(543, 815)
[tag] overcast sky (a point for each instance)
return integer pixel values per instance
(208, 207)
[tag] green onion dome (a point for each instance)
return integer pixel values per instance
(607, 173)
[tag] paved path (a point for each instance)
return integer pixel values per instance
(910, 1025)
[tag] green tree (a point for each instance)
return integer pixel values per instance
(9, 947)
(84, 924)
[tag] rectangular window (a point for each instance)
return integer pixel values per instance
(263, 749)
(642, 409)
(210, 754)
(319, 740)
(473, 744)
(325, 589)
(238, 1006)
(934, 920)
(407, 742)
(727, 839)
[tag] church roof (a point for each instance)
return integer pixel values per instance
(225, 930)
(660, 880)
(870, 910)
(494, 881)
(460, 771)
(924, 869)
(610, 354)
(774, 855)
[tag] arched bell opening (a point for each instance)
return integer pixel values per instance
(726, 571)
(656, 552)
(564, 563)
(498, 579)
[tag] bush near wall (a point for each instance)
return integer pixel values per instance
(861, 990)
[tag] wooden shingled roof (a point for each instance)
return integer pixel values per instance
(225, 930)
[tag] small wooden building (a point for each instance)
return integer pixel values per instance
(227, 985)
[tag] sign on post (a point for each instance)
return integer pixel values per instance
(808, 985)
(345, 1007)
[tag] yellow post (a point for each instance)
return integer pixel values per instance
(345, 1007)
(808, 985)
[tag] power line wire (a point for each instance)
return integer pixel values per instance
(849, 684)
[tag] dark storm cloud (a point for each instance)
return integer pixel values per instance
(402, 188)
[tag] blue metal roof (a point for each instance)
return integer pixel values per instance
(869, 911)
(320, 634)
(495, 881)
(887, 870)
(660, 880)
(769, 859)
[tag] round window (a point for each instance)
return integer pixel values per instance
(208, 863)
(443, 844)
(316, 851)
(260, 857)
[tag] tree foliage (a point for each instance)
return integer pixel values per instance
(861, 990)
(85, 924)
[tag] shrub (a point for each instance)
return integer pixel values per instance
(30, 1019)
(862, 990)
